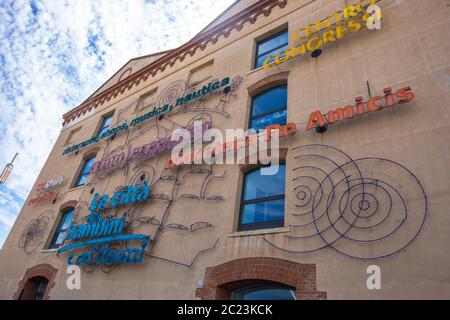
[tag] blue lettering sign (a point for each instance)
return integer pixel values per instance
(98, 233)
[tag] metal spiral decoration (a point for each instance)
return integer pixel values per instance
(33, 233)
(368, 208)
(152, 217)
(170, 94)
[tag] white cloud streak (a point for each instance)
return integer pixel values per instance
(55, 53)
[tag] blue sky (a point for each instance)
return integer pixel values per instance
(55, 53)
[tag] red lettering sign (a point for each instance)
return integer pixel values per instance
(317, 119)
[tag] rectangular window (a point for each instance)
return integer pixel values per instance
(106, 122)
(271, 46)
(262, 204)
(268, 108)
(84, 172)
(60, 232)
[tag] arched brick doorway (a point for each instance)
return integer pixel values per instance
(221, 280)
(35, 279)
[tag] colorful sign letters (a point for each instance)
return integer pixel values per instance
(100, 235)
(45, 191)
(360, 108)
(147, 151)
(339, 25)
(211, 87)
(218, 148)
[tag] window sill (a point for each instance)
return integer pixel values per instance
(254, 70)
(270, 65)
(49, 250)
(76, 188)
(258, 232)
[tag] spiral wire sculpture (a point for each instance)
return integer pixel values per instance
(33, 233)
(368, 208)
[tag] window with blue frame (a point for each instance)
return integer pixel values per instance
(271, 46)
(60, 232)
(264, 292)
(268, 108)
(84, 172)
(262, 205)
(106, 122)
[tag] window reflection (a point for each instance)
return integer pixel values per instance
(106, 122)
(269, 108)
(60, 232)
(41, 287)
(84, 173)
(264, 292)
(270, 47)
(263, 200)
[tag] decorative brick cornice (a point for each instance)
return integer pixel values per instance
(200, 42)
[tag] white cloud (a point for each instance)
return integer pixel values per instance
(54, 54)
(7, 218)
(9, 207)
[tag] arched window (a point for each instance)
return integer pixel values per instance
(60, 232)
(264, 292)
(269, 107)
(83, 174)
(34, 289)
(260, 278)
(105, 123)
(36, 283)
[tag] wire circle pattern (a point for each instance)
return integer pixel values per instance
(33, 233)
(368, 208)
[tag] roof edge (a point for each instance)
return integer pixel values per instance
(117, 72)
(235, 22)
